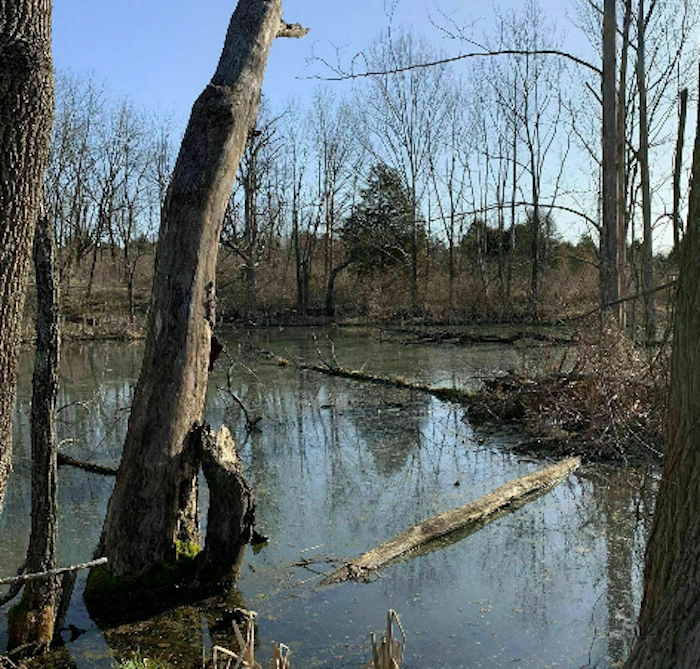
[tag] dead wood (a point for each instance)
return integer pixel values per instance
(443, 393)
(467, 338)
(480, 511)
(68, 461)
(23, 578)
(231, 517)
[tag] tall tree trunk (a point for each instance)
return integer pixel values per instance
(669, 620)
(141, 525)
(677, 167)
(621, 166)
(330, 289)
(249, 231)
(647, 246)
(26, 115)
(608, 235)
(535, 249)
(32, 620)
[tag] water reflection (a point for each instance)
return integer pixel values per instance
(339, 466)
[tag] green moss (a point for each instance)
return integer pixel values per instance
(133, 596)
(186, 550)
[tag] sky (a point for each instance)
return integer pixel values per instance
(162, 53)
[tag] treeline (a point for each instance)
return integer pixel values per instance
(460, 190)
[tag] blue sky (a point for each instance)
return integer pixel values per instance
(162, 53)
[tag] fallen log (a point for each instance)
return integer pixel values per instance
(508, 338)
(62, 459)
(443, 393)
(478, 512)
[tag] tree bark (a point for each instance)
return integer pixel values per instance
(141, 526)
(647, 246)
(608, 235)
(669, 620)
(26, 115)
(32, 621)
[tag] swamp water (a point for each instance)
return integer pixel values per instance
(337, 468)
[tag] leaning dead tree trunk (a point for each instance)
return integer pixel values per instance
(475, 514)
(26, 115)
(152, 486)
(31, 623)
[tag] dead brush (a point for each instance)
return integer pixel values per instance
(606, 399)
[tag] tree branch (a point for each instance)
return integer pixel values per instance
(23, 578)
(342, 76)
(292, 30)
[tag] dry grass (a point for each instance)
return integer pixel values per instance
(387, 653)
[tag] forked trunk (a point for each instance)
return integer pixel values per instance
(141, 527)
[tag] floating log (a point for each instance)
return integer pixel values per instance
(478, 512)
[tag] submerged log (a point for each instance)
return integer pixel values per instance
(442, 393)
(480, 511)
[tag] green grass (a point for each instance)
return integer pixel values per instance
(138, 661)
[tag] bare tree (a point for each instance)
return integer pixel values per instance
(647, 248)
(248, 235)
(405, 111)
(32, 623)
(609, 286)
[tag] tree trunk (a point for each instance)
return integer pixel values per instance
(141, 526)
(330, 290)
(26, 115)
(608, 235)
(231, 514)
(669, 620)
(677, 167)
(32, 621)
(621, 166)
(647, 246)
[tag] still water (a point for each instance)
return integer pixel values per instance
(338, 467)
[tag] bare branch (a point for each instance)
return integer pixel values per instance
(343, 76)
(23, 578)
